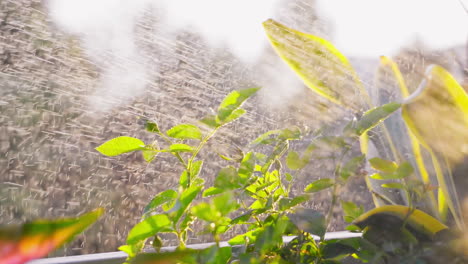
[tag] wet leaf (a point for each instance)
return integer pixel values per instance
(383, 165)
(394, 185)
(160, 199)
(233, 101)
(196, 168)
(185, 131)
(150, 226)
(227, 179)
(266, 138)
(295, 162)
(437, 114)
(318, 63)
(351, 211)
(319, 185)
(36, 239)
(210, 121)
(286, 203)
(384, 218)
(180, 148)
(236, 114)
(165, 258)
(371, 118)
(150, 155)
(120, 145)
(152, 127)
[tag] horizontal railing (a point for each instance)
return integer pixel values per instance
(119, 257)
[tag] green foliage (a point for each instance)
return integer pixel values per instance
(254, 191)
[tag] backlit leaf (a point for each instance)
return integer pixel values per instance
(383, 165)
(318, 63)
(180, 148)
(437, 114)
(120, 145)
(152, 127)
(185, 131)
(161, 198)
(233, 101)
(319, 185)
(371, 118)
(148, 227)
(385, 216)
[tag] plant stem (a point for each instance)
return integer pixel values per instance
(177, 155)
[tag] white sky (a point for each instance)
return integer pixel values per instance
(361, 28)
(378, 27)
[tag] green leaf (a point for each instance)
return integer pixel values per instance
(437, 114)
(249, 237)
(393, 216)
(214, 255)
(371, 118)
(236, 114)
(403, 171)
(210, 121)
(318, 63)
(196, 168)
(336, 250)
(293, 133)
(185, 131)
(225, 203)
(149, 155)
(394, 185)
(265, 138)
(246, 168)
(184, 179)
(180, 148)
(149, 227)
(206, 212)
(185, 256)
(227, 179)
(288, 177)
(120, 145)
(351, 211)
(319, 185)
(351, 167)
(286, 203)
(152, 127)
(383, 165)
(295, 162)
(212, 191)
(36, 239)
(310, 221)
(233, 101)
(159, 199)
(184, 201)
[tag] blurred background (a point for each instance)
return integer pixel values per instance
(75, 73)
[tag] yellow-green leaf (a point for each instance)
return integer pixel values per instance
(437, 114)
(419, 221)
(318, 63)
(148, 227)
(120, 145)
(185, 131)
